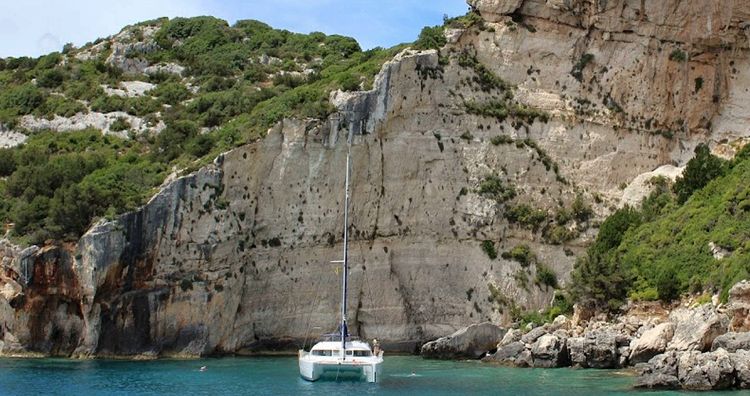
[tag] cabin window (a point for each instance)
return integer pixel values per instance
(322, 352)
(348, 353)
(361, 353)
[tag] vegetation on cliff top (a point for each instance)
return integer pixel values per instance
(238, 81)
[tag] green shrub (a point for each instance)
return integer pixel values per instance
(60, 106)
(501, 139)
(678, 56)
(22, 99)
(50, 78)
(200, 145)
(430, 38)
(120, 124)
(7, 162)
(173, 140)
(698, 84)
(557, 234)
(349, 82)
(578, 68)
(599, 278)
(545, 276)
(108, 104)
(489, 248)
(170, 92)
(526, 216)
(520, 253)
(648, 294)
(700, 170)
(494, 188)
(580, 210)
(667, 286)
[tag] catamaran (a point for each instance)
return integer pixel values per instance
(340, 354)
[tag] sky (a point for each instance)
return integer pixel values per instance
(36, 27)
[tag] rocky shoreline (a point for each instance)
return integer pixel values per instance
(688, 346)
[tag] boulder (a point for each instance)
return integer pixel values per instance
(660, 372)
(739, 306)
(534, 334)
(470, 342)
(741, 363)
(624, 356)
(507, 354)
(651, 343)
(524, 359)
(732, 342)
(513, 335)
(493, 10)
(561, 322)
(550, 351)
(596, 350)
(696, 328)
(581, 314)
(705, 371)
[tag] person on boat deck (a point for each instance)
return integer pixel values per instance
(375, 347)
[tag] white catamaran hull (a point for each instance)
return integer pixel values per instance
(314, 370)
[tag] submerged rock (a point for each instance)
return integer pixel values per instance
(470, 342)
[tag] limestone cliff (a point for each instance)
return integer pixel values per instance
(234, 258)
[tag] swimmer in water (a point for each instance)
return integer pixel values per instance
(413, 373)
(204, 368)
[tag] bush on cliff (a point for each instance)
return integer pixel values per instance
(663, 248)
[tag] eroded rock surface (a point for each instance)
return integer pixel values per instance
(696, 329)
(471, 342)
(651, 343)
(739, 304)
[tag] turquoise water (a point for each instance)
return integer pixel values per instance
(279, 376)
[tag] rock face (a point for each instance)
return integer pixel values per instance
(732, 342)
(550, 351)
(661, 372)
(705, 371)
(693, 370)
(81, 121)
(229, 259)
(651, 343)
(739, 304)
(471, 342)
(508, 354)
(598, 350)
(696, 329)
(741, 361)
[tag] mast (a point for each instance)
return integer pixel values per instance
(345, 263)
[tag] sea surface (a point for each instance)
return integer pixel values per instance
(402, 375)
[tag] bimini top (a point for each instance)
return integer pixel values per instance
(333, 348)
(337, 337)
